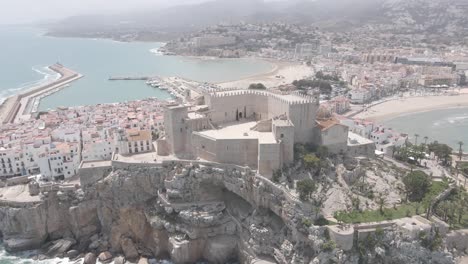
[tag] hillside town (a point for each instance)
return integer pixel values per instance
(287, 170)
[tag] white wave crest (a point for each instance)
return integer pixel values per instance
(457, 119)
(48, 76)
(156, 51)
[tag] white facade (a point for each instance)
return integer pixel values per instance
(98, 150)
(360, 96)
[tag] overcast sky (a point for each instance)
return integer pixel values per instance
(26, 11)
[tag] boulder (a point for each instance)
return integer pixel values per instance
(89, 258)
(129, 249)
(59, 247)
(21, 244)
(72, 254)
(143, 261)
(105, 256)
(119, 260)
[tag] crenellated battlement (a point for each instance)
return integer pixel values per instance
(295, 98)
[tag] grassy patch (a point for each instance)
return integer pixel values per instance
(404, 210)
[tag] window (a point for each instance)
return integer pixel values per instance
(282, 135)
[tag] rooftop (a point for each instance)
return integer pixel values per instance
(238, 130)
(355, 139)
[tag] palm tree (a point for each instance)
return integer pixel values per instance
(425, 140)
(460, 151)
(416, 136)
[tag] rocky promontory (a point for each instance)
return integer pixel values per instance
(182, 211)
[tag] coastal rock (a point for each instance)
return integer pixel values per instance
(129, 249)
(220, 249)
(23, 228)
(119, 260)
(143, 261)
(105, 256)
(72, 254)
(186, 251)
(90, 258)
(59, 247)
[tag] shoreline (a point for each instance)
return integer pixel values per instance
(15, 106)
(288, 72)
(412, 105)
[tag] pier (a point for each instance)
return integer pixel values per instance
(129, 78)
(19, 107)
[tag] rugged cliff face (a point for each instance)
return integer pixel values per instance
(185, 212)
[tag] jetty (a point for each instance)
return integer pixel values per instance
(19, 107)
(129, 78)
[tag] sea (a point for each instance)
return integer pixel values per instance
(25, 54)
(448, 126)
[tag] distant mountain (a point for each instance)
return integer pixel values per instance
(433, 16)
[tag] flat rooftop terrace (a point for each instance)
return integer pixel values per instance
(237, 130)
(355, 139)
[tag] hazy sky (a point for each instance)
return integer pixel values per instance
(26, 11)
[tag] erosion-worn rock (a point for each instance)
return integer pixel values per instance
(129, 249)
(72, 254)
(143, 261)
(90, 258)
(23, 228)
(105, 256)
(186, 251)
(220, 249)
(119, 260)
(60, 247)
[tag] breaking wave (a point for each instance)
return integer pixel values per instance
(48, 76)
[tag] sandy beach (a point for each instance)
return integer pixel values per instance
(287, 71)
(411, 105)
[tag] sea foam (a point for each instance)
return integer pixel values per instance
(48, 76)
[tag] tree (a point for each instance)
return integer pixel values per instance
(426, 138)
(442, 151)
(305, 188)
(416, 136)
(257, 86)
(381, 202)
(460, 151)
(417, 184)
(311, 161)
(322, 152)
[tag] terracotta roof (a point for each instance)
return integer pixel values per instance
(137, 135)
(327, 124)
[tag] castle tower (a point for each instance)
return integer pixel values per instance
(176, 129)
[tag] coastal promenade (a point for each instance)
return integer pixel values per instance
(18, 107)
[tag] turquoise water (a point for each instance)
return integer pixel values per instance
(25, 53)
(448, 126)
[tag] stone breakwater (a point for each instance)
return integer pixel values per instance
(20, 105)
(185, 211)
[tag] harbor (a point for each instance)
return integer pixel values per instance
(21, 106)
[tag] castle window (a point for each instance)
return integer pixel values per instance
(282, 135)
(203, 147)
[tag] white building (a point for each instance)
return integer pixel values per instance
(61, 161)
(133, 141)
(360, 96)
